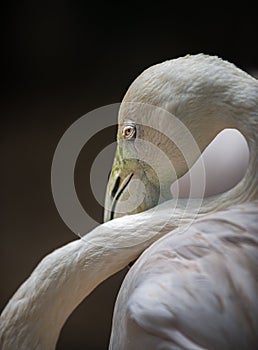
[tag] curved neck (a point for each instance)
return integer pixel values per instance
(228, 105)
(35, 315)
(247, 188)
(40, 307)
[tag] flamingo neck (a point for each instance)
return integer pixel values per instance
(227, 104)
(247, 188)
(35, 315)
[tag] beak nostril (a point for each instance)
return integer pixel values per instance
(116, 186)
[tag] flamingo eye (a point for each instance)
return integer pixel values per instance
(129, 132)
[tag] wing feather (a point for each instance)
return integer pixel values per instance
(196, 289)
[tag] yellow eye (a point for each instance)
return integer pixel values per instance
(129, 132)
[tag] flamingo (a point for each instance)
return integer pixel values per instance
(196, 286)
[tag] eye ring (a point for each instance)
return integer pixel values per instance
(129, 132)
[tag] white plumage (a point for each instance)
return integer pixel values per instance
(196, 288)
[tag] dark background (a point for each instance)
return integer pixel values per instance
(60, 60)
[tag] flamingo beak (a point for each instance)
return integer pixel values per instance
(117, 184)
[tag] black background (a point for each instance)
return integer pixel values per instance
(60, 60)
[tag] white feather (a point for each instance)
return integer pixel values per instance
(197, 287)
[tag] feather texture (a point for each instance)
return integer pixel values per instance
(194, 290)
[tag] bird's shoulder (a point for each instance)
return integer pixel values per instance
(199, 287)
